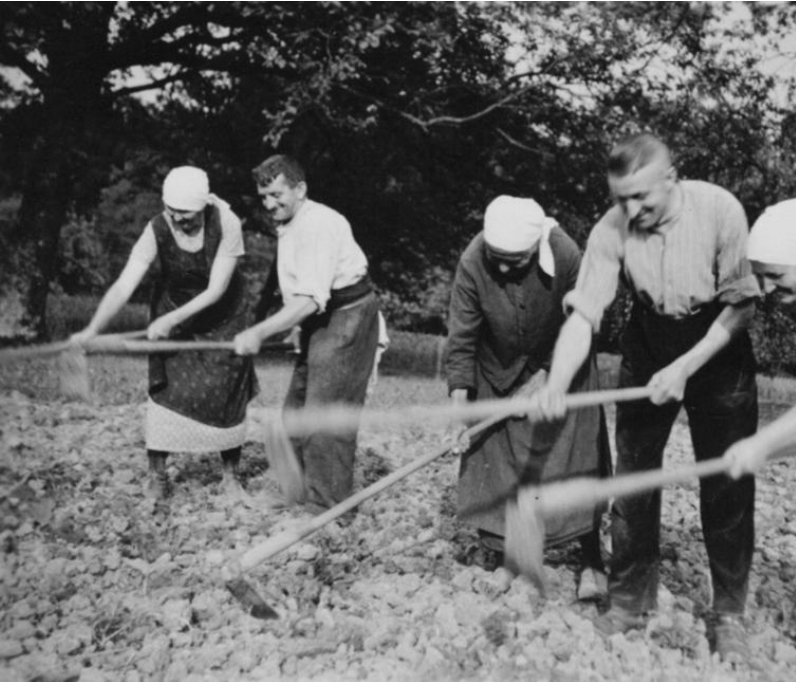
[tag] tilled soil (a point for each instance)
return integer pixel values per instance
(99, 583)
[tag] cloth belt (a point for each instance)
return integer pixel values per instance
(704, 312)
(350, 294)
(651, 341)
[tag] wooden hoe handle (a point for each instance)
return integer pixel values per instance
(128, 343)
(125, 347)
(344, 418)
(282, 541)
(278, 543)
(48, 349)
(584, 493)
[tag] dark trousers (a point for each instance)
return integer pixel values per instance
(721, 404)
(334, 366)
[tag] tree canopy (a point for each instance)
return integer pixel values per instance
(409, 116)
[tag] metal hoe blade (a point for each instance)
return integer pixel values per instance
(246, 595)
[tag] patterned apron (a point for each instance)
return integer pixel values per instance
(211, 387)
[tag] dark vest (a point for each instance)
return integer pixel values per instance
(184, 275)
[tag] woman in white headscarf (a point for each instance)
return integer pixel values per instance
(505, 313)
(771, 250)
(197, 400)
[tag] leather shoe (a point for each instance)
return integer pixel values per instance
(619, 620)
(592, 585)
(730, 638)
(157, 486)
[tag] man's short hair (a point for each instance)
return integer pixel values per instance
(631, 154)
(279, 164)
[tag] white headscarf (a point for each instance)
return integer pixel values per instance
(515, 225)
(186, 189)
(772, 238)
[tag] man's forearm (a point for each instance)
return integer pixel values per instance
(290, 315)
(731, 321)
(570, 352)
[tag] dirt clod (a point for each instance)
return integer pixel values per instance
(98, 583)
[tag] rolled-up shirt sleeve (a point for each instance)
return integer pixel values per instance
(465, 320)
(315, 270)
(317, 254)
(735, 281)
(597, 282)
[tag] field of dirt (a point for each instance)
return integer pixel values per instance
(97, 583)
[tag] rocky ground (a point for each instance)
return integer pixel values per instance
(100, 584)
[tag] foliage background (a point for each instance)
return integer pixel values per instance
(410, 118)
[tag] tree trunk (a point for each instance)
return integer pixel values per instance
(74, 113)
(45, 202)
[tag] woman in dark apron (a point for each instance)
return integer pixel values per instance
(504, 317)
(197, 399)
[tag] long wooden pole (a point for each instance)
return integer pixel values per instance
(585, 493)
(124, 344)
(535, 504)
(282, 541)
(343, 418)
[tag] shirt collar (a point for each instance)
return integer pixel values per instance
(673, 211)
(282, 229)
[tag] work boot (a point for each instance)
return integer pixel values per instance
(620, 620)
(157, 486)
(489, 555)
(730, 638)
(592, 585)
(231, 485)
(486, 558)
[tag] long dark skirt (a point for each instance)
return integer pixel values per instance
(517, 452)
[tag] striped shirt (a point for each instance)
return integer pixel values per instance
(317, 253)
(695, 257)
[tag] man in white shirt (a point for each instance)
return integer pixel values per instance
(327, 291)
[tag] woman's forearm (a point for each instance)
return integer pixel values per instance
(218, 282)
(117, 296)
